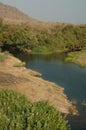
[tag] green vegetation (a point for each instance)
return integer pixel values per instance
(78, 57)
(17, 113)
(26, 39)
(14, 109)
(20, 64)
(3, 56)
(84, 103)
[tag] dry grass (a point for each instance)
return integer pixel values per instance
(12, 15)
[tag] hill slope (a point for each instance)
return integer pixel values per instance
(11, 14)
(37, 36)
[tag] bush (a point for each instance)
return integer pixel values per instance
(17, 113)
(20, 38)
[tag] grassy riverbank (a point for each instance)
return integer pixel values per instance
(32, 85)
(78, 57)
(84, 103)
(45, 100)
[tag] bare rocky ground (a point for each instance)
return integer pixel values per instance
(30, 83)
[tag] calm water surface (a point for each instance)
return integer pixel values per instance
(67, 75)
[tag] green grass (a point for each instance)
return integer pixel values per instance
(3, 56)
(46, 50)
(41, 50)
(17, 113)
(84, 103)
(77, 58)
(21, 64)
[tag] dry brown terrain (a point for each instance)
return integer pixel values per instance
(32, 85)
(12, 15)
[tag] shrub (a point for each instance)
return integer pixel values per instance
(20, 38)
(17, 113)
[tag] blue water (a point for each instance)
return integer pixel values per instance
(67, 75)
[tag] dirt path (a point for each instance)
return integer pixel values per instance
(32, 85)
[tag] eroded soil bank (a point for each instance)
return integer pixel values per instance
(13, 75)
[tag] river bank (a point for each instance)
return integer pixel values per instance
(78, 57)
(15, 76)
(68, 75)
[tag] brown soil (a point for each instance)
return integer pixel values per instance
(30, 83)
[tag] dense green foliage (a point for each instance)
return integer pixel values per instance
(14, 109)
(17, 113)
(46, 117)
(24, 38)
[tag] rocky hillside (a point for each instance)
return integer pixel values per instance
(12, 14)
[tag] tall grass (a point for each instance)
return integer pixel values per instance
(17, 113)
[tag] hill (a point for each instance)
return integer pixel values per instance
(12, 14)
(24, 33)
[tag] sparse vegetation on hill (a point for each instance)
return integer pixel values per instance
(17, 113)
(10, 13)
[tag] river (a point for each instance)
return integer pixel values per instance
(68, 75)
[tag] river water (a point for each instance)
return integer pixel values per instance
(68, 75)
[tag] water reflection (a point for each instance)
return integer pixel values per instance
(46, 57)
